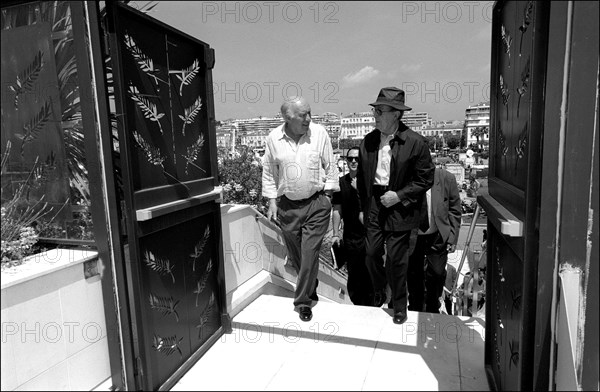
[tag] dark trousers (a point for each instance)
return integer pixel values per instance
(427, 273)
(359, 284)
(396, 263)
(303, 224)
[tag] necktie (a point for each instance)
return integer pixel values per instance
(424, 221)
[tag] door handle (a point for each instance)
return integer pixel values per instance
(500, 217)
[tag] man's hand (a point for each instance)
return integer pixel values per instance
(272, 213)
(451, 248)
(361, 216)
(353, 183)
(389, 198)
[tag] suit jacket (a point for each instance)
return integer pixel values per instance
(445, 205)
(411, 175)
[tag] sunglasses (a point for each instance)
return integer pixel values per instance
(379, 112)
(352, 159)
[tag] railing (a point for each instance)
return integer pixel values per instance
(255, 261)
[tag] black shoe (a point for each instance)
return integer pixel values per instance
(400, 318)
(305, 313)
(379, 299)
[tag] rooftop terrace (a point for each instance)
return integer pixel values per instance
(344, 347)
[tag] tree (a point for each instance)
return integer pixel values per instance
(478, 132)
(430, 141)
(349, 143)
(453, 141)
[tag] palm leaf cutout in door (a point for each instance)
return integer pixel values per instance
(201, 285)
(32, 129)
(168, 345)
(507, 42)
(522, 90)
(165, 305)
(145, 63)
(163, 267)
(154, 155)
(525, 24)
(199, 248)
(504, 90)
(186, 76)
(192, 154)
(190, 114)
(149, 109)
(205, 315)
(521, 148)
(26, 79)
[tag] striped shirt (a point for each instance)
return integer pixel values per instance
(300, 170)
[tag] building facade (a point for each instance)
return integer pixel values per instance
(477, 116)
(253, 132)
(357, 125)
(226, 134)
(417, 120)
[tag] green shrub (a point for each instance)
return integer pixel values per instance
(241, 179)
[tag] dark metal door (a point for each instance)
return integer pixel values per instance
(167, 153)
(519, 46)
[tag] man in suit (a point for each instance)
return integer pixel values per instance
(434, 244)
(395, 170)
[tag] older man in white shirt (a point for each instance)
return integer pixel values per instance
(299, 178)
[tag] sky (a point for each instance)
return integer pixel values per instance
(338, 55)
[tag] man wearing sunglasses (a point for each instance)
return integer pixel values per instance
(395, 170)
(346, 206)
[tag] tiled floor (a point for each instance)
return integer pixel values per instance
(343, 347)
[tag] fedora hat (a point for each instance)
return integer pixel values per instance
(391, 96)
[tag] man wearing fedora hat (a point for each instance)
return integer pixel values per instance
(394, 173)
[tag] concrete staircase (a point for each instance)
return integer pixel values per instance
(344, 347)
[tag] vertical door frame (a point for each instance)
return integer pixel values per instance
(98, 146)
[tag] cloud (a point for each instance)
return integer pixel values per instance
(410, 67)
(364, 75)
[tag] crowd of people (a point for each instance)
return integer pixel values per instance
(396, 216)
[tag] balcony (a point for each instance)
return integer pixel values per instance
(347, 347)
(360, 345)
